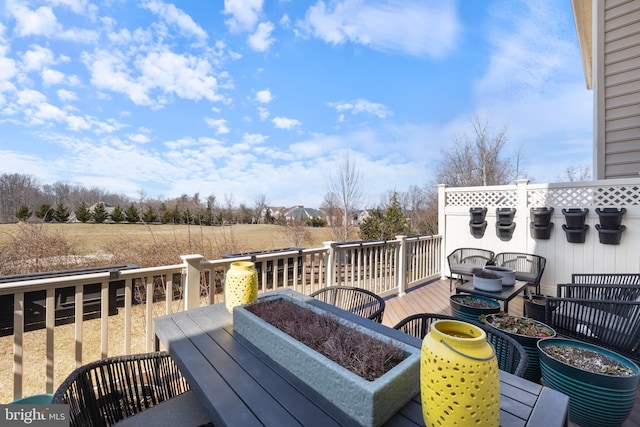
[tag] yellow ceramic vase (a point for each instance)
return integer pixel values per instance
(241, 284)
(459, 380)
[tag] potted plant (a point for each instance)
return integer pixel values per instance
(471, 307)
(279, 326)
(486, 280)
(534, 306)
(508, 275)
(527, 332)
(601, 384)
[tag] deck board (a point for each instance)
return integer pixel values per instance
(433, 297)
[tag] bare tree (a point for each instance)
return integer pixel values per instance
(576, 173)
(478, 161)
(262, 213)
(346, 191)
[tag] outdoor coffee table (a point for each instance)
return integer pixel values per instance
(507, 294)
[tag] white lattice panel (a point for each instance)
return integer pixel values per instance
(501, 198)
(619, 195)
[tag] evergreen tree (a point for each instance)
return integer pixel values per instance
(45, 212)
(61, 213)
(23, 213)
(387, 224)
(149, 215)
(132, 214)
(83, 214)
(117, 215)
(100, 214)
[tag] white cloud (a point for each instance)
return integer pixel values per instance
(220, 125)
(36, 58)
(264, 96)
(139, 138)
(66, 95)
(52, 77)
(43, 22)
(261, 40)
(253, 138)
(244, 14)
(414, 27)
(285, 123)
(362, 106)
(263, 113)
(177, 17)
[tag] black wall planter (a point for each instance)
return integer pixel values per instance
(575, 217)
(576, 235)
(477, 230)
(610, 229)
(477, 224)
(504, 223)
(575, 228)
(541, 225)
(477, 215)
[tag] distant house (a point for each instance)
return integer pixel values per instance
(300, 213)
(609, 36)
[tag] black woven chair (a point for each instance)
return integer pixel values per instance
(528, 267)
(102, 393)
(463, 261)
(512, 357)
(356, 300)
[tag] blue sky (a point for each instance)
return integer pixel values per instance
(239, 98)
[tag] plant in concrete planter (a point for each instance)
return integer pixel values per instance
(527, 332)
(369, 403)
(601, 384)
(486, 280)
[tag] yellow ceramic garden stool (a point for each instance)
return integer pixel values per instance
(241, 284)
(459, 379)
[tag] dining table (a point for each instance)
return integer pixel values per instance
(238, 385)
(506, 294)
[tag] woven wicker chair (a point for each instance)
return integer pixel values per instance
(356, 300)
(528, 267)
(512, 357)
(102, 393)
(463, 261)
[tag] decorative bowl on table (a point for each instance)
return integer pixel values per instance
(485, 280)
(508, 274)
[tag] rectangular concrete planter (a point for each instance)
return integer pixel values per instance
(370, 403)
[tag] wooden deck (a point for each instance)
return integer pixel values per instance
(433, 297)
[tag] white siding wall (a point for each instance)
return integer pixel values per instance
(563, 258)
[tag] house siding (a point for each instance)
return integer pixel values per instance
(619, 112)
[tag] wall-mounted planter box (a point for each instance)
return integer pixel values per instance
(477, 229)
(505, 231)
(576, 235)
(505, 216)
(610, 218)
(608, 236)
(575, 217)
(540, 232)
(477, 215)
(541, 216)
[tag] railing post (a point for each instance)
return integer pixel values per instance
(401, 268)
(192, 280)
(330, 279)
(442, 218)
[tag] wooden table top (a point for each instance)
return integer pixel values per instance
(237, 384)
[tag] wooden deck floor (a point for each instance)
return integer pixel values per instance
(434, 298)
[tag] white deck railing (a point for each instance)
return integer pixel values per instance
(385, 267)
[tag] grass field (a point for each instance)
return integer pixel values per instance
(122, 243)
